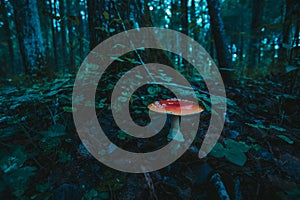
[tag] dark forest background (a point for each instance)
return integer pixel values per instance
(252, 37)
(255, 44)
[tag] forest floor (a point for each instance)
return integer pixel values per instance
(42, 157)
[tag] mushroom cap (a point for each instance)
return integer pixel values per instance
(176, 107)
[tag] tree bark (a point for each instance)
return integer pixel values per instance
(257, 15)
(9, 63)
(222, 47)
(29, 34)
(63, 25)
(184, 16)
(54, 33)
(95, 21)
(194, 20)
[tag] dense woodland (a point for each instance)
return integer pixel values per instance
(256, 46)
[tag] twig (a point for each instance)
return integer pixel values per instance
(270, 147)
(257, 191)
(218, 184)
(52, 116)
(150, 185)
(237, 189)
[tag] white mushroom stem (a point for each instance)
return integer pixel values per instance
(175, 133)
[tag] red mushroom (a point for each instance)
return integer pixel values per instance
(176, 108)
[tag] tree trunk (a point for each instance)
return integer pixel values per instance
(63, 25)
(54, 33)
(95, 21)
(29, 34)
(184, 16)
(257, 14)
(194, 20)
(9, 62)
(222, 47)
(173, 26)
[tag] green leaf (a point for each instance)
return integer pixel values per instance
(69, 109)
(139, 76)
(64, 157)
(236, 157)
(106, 15)
(152, 90)
(54, 131)
(288, 195)
(132, 60)
(12, 161)
(119, 46)
(123, 136)
(226, 69)
(117, 59)
(286, 139)
(256, 147)
(100, 28)
(277, 128)
(290, 68)
(233, 151)
(104, 195)
(118, 20)
(251, 139)
(48, 144)
(9, 131)
(258, 126)
(236, 146)
(18, 180)
(122, 99)
(218, 151)
(43, 187)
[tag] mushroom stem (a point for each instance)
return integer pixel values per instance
(175, 133)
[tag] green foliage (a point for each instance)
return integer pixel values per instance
(64, 157)
(291, 194)
(233, 151)
(14, 160)
(286, 139)
(18, 180)
(94, 194)
(123, 136)
(48, 144)
(290, 68)
(261, 126)
(15, 176)
(54, 131)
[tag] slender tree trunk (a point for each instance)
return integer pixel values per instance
(8, 35)
(295, 51)
(257, 14)
(95, 21)
(173, 24)
(194, 20)
(241, 51)
(222, 47)
(184, 23)
(63, 24)
(54, 33)
(45, 22)
(242, 40)
(29, 34)
(297, 30)
(283, 51)
(174, 8)
(184, 16)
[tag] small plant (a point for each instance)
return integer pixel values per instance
(233, 151)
